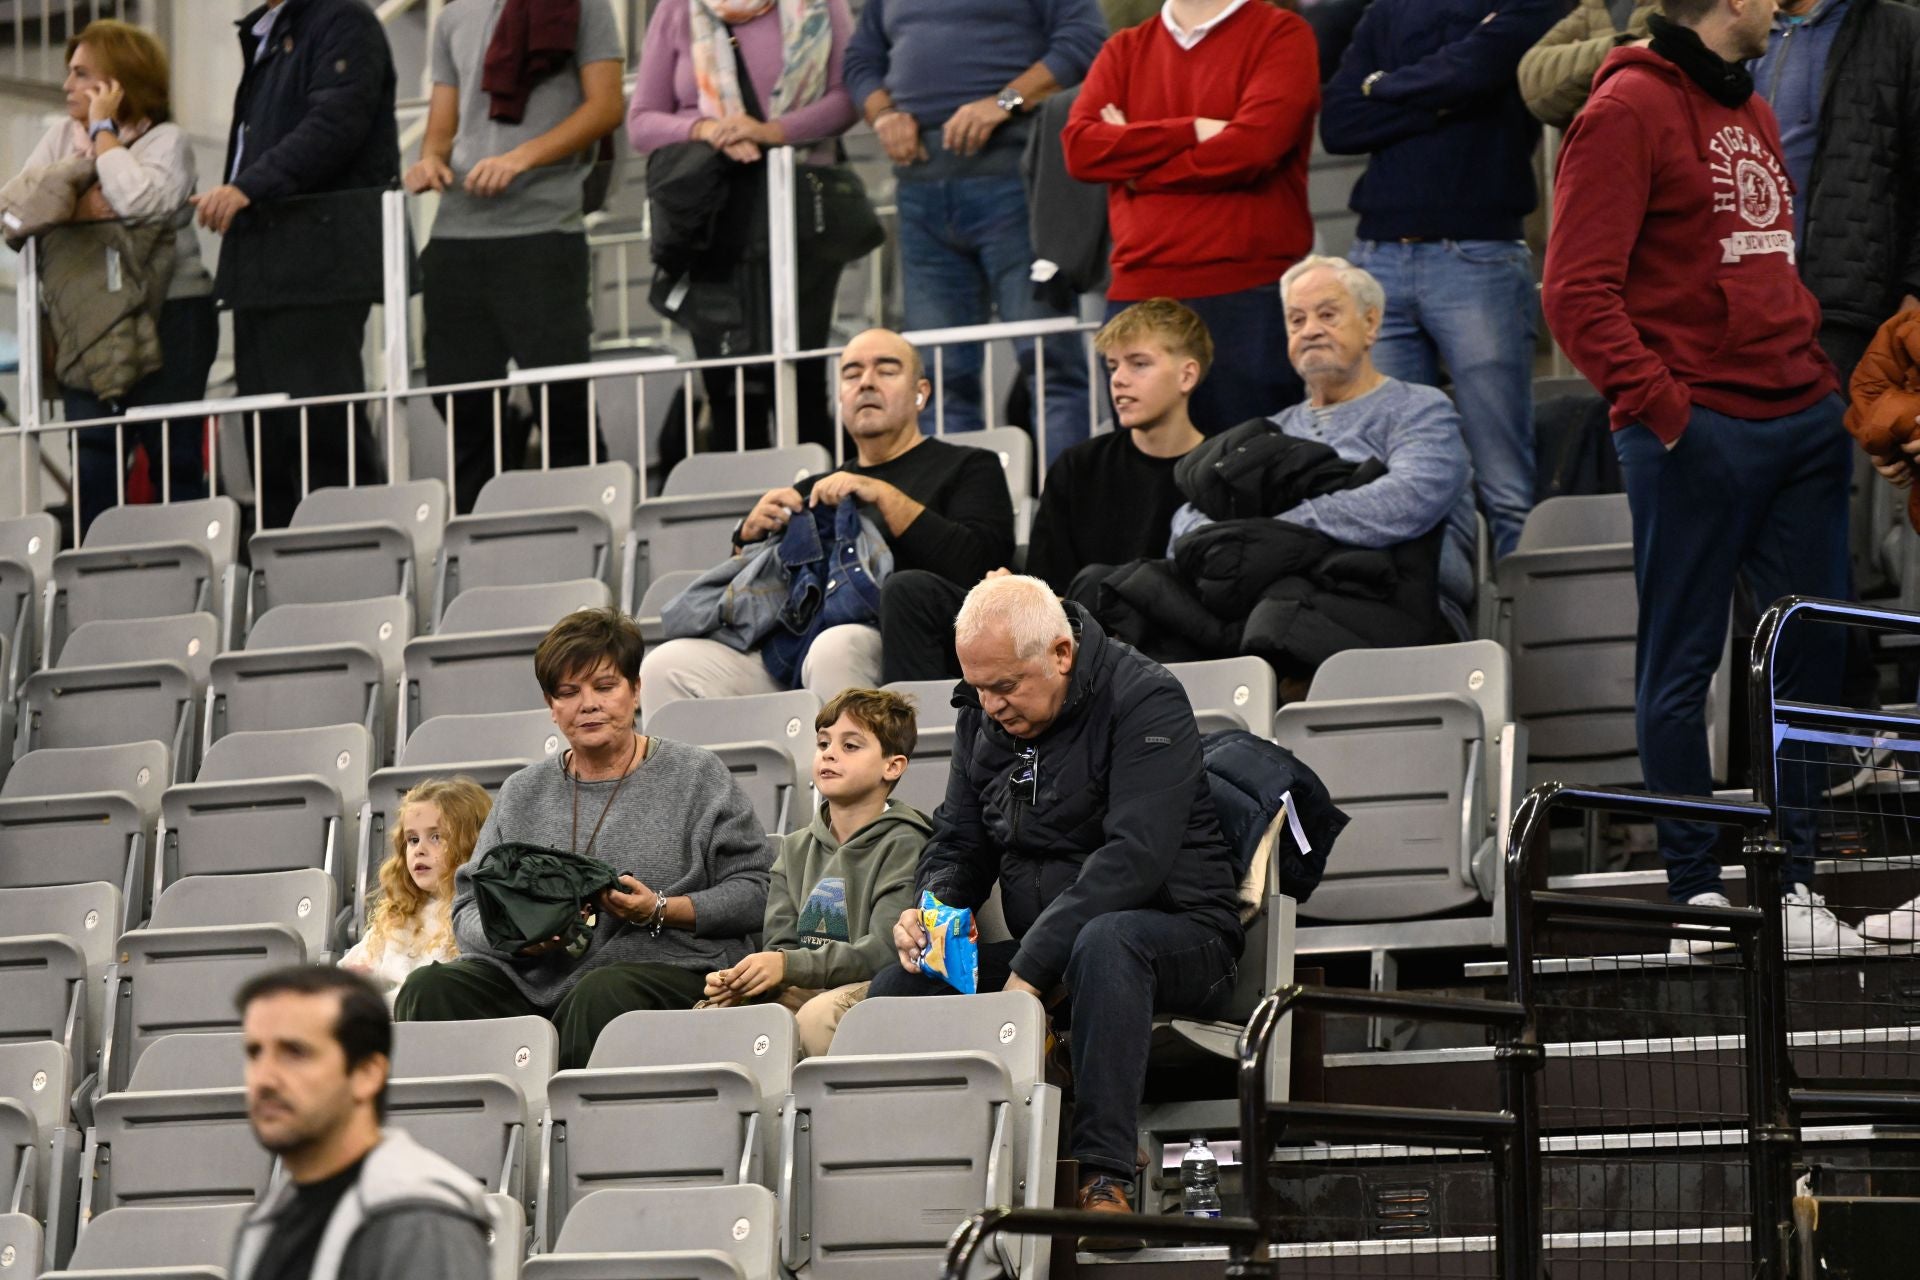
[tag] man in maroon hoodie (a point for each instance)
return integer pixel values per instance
(1671, 283)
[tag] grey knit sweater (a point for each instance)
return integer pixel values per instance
(681, 825)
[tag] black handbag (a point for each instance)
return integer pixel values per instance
(833, 217)
(528, 895)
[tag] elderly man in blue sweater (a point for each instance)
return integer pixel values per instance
(1333, 313)
(1428, 89)
(949, 87)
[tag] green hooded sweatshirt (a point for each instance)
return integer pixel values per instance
(831, 906)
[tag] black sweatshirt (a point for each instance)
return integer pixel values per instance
(966, 530)
(1105, 502)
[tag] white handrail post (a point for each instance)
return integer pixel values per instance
(27, 322)
(396, 307)
(783, 260)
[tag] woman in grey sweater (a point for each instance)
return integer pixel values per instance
(667, 815)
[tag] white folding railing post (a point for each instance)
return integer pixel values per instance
(27, 325)
(783, 260)
(396, 308)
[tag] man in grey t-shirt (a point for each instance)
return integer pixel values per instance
(505, 272)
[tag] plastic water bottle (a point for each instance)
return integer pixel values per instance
(1200, 1180)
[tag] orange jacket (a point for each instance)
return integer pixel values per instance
(1886, 395)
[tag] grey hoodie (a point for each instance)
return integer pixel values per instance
(411, 1214)
(831, 906)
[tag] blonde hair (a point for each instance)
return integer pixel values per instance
(463, 806)
(1175, 326)
(1026, 607)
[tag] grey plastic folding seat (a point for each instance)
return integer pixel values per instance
(468, 1090)
(123, 681)
(27, 547)
(531, 527)
(148, 562)
(157, 1242)
(1568, 615)
(307, 665)
(352, 543)
(1426, 812)
(22, 1245)
(1230, 693)
(654, 600)
(940, 1100)
(271, 800)
(666, 1233)
(506, 1236)
(669, 1098)
(1015, 448)
(481, 657)
(485, 748)
(39, 1144)
(689, 525)
(924, 784)
(69, 815)
(208, 935)
(744, 470)
(178, 1133)
(55, 946)
(765, 739)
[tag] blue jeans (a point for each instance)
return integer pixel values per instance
(1126, 966)
(1468, 305)
(966, 254)
(1251, 376)
(1766, 499)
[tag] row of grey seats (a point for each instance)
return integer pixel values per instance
(690, 1134)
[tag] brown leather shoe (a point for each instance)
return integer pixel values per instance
(1104, 1193)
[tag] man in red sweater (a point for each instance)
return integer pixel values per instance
(1201, 120)
(1671, 283)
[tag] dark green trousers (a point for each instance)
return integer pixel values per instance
(476, 988)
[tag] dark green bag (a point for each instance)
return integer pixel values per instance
(528, 895)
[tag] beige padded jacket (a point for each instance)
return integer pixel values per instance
(1557, 73)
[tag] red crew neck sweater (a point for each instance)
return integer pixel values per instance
(1195, 219)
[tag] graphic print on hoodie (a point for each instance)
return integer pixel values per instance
(1671, 277)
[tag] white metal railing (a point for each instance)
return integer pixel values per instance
(634, 379)
(39, 30)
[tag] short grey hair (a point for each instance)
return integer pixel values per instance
(1024, 608)
(1360, 285)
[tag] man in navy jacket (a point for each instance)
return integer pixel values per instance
(1428, 89)
(311, 145)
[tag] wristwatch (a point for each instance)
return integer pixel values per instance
(99, 127)
(1010, 101)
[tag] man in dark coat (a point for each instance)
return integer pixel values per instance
(1078, 787)
(311, 145)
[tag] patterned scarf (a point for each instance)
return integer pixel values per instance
(806, 37)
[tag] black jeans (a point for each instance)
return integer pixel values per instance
(509, 298)
(189, 336)
(917, 609)
(1126, 966)
(303, 351)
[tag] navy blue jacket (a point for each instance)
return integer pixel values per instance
(1451, 139)
(830, 582)
(319, 144)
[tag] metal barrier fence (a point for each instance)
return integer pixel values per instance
(606, 398)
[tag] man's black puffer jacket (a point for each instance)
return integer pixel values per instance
(1862, 249)
(1123, 818)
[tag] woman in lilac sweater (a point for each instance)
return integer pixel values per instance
(687, 90)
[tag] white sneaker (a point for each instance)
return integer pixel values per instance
(1696, 939)
(1902, 924)
(1813, 930)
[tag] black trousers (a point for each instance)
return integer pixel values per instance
(189, 337)
(303, 351)
(917, 609)
(522, 299)
(818, 284)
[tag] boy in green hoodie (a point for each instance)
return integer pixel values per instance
(838, 886)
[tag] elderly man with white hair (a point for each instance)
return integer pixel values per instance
(1333, 311)
(1078, 787)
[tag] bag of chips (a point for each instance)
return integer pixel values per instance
(953, 945)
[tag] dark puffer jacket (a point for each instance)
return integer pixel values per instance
(1863, 204)
(1123, 817)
